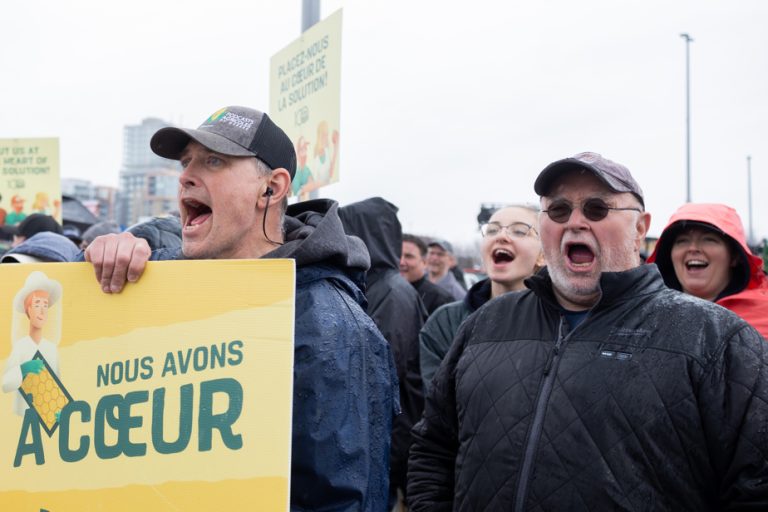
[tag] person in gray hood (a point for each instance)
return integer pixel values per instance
(235, 165)
(396, 308)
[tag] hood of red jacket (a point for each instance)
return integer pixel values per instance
(723, 220)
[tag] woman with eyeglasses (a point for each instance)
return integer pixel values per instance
(703, 252)
(511, 252)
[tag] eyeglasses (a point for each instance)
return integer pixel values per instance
(515, 230)
(594, 209)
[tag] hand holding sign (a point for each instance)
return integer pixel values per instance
(117, 259)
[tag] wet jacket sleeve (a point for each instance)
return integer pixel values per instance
(398, 312)
(435, 339)
(435, 438)
(344, 401)
(734, 402)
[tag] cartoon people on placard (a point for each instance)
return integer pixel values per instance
(324, 162)
(16, 214)
(303, 179)
(324, 157)
(41, 204)
(31, 333)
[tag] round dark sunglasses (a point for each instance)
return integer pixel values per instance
(593, 209)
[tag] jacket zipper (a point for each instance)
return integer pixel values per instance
(550, 370)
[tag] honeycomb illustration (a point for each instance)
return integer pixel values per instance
(46, 396)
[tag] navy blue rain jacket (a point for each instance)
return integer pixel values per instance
(345, 389)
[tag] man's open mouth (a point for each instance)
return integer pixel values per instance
(580, 255)
(197, 212)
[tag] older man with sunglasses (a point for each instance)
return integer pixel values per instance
(598, 388)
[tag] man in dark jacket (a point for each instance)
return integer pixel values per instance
(598, 388)
(413, 267)
(345, 385)
(396, 308)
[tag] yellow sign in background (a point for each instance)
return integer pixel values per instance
(29, 178)
(217, 336)
(305, 91)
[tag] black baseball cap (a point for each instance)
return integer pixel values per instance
(37, 223)
(234, 131)
(615, 175)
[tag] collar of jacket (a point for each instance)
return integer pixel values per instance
(615, 286)
(478, 294)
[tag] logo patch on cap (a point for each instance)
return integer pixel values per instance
(238, 121)
(216, 115)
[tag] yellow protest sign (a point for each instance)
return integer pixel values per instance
(29, 179)
(175, 394)
(305, 90)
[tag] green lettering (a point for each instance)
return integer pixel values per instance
(236, 353)
(31, 424)
(217, 355)
(184, 363)
(105, 414)
(66, 454)
(207, 421)
(200, 363)
(102, 375)
(128, 422)
(170, 364)
(185, 420)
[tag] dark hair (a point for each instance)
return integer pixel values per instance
(99, 229)
(418, 242)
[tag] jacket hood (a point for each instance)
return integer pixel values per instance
(722, 219)
(314, 235)
(375, 222)
(159, 232)
(45, 246)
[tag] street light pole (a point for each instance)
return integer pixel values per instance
(687, 116)
(310, 14)
(751, 238)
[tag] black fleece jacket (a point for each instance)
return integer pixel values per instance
(656, 401)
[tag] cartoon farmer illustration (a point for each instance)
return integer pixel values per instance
(34, 300)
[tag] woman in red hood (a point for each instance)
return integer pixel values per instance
(703, 252)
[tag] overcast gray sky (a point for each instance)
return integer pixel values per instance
(444, 104)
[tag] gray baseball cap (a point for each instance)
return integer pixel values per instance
(234, 131)
(615, 175)
(443, 244)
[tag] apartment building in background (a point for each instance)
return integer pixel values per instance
(148, 183)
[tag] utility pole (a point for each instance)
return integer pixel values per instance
(310, 14)
(688, 41)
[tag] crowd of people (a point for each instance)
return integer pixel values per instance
(575, 376)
